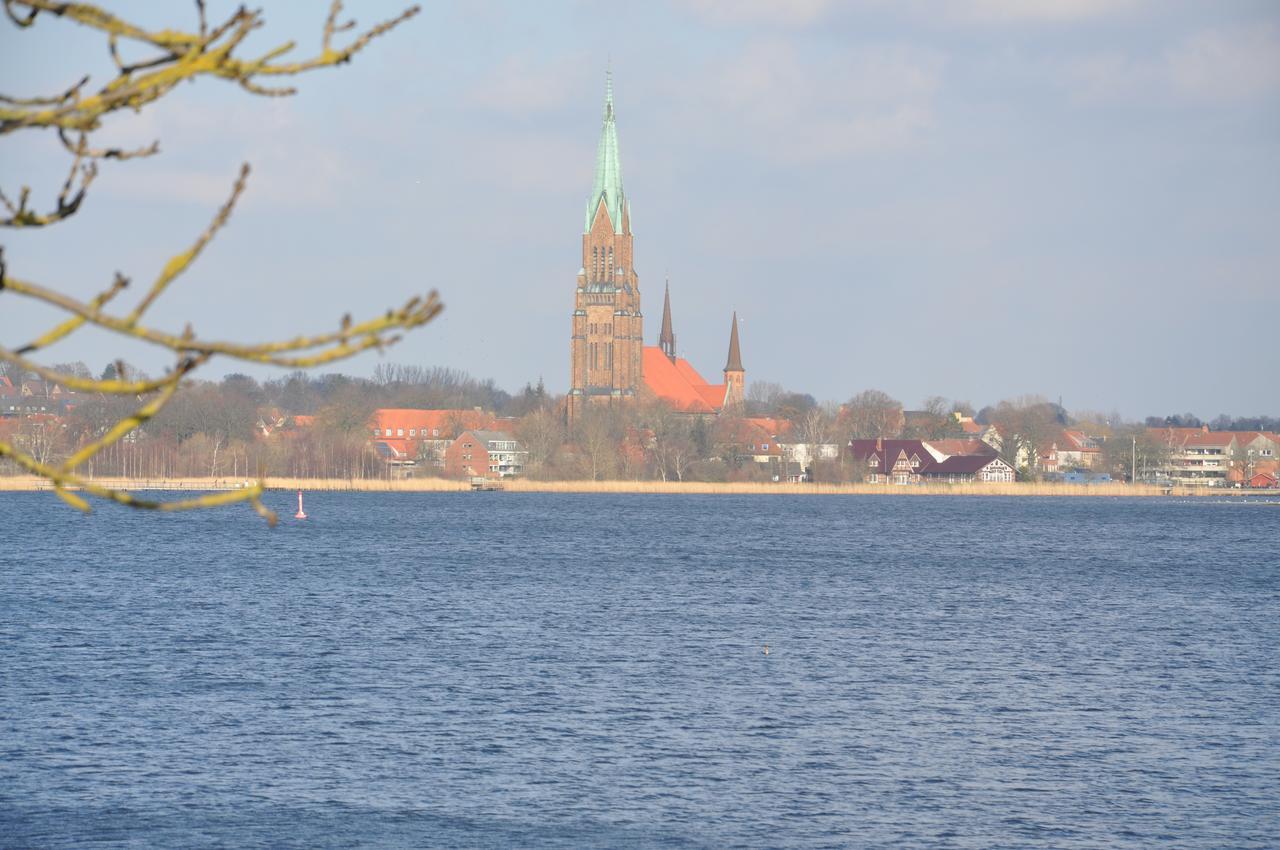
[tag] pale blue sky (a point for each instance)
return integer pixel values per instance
(975, 199)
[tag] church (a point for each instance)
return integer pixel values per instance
(608, 360)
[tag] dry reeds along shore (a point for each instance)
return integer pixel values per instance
(521, 485)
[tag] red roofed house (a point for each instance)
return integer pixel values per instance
(405, 436)
(1263, 481)
(1197, 456)
(1077, 450)
(1255, 452)
(747, 440)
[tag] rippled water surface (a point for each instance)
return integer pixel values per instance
(500, 669)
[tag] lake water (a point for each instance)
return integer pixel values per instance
(522, 670)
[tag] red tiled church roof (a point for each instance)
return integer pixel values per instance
(679, 384)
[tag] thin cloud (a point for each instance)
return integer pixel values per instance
(1044, 11)
(1216, 66)
(292, 166)
(804, 13)
(787, 13)
(1226, 65)
(521, 85)
(798, 107)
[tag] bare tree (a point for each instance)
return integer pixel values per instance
(671, 449)
(763, 396)
(171, 56)
(816, 428)
(43, 438)
(1027, 427)
(872, 413)
(542, 433)
(597, 432)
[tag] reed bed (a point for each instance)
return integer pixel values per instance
(442, 485)
(772, 489)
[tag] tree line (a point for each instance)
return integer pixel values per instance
(240, 427)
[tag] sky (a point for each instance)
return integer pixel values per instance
(978, 199)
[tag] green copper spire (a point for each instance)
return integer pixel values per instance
(608, 167)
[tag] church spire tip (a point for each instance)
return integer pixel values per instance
(734, 363)
(667, 339)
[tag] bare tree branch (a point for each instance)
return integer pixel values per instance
(210, 51)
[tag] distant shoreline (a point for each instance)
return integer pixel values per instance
(524, 485)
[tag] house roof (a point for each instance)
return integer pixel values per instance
(886, 452)
(749, 432)
(488, 436)
(1211, 438)
(679, 384)
(1175, 436)
(964, 465)
(955, 446)
(780, 428)
(397, 418)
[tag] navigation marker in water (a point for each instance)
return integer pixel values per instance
(300, 514)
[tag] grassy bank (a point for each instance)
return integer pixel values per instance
(429, 485)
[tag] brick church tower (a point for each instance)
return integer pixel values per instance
(607, 330)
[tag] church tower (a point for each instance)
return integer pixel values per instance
(734, 375)
(607, 327)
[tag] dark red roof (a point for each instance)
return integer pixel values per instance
(887, 452)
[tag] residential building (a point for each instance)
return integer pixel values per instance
(919, 461)
(415, 438)
(746, 441)
(1263, 481)
(485, 454)
(1077, 450)
(1197, 456)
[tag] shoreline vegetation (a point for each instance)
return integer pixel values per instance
(30, 483)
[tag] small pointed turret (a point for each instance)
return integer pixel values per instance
(667, 338)
(734, 375)
(734, 363)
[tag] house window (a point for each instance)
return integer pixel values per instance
(435, 432)
(399, 432)
(764, 447)
(411, 432)
(388, 432)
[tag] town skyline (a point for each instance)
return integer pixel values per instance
(1160, 177)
